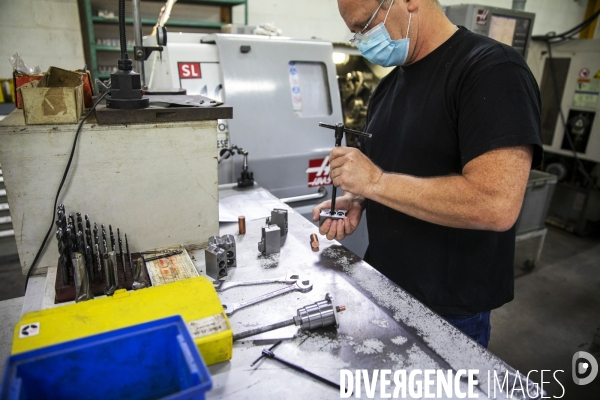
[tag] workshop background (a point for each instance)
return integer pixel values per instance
(556, 310)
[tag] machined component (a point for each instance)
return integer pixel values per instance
(300, 286)
(216, 261)
(320, 314)
(279, 217)
(128, 255)
(121, 253)
(140, 280)
(270, 354)
(271, 240)
(314, 242)
(334, 215)
(110, 271)
(223, 285)
(227, 243)
(242, 225)
(82, 283)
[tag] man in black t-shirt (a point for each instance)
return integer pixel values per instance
(456, 129)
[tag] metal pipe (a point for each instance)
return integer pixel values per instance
(137, 32)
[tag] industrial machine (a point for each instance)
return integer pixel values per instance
(569, 80)
(511, 27)
(281, 89)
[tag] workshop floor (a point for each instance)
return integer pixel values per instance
(555, 313)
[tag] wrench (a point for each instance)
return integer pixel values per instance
(223, 285)
(301, 286)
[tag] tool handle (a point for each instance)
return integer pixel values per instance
(231, 284)
(347, 130)
(326, 381)
(263, 329)
(267, 296)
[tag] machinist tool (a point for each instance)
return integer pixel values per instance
(140, 280)
(223, 285)
(227, 243)
(108, 272)
(279, 217)
(128, 256)
(320, 314)
(122, 255)
(300, 286)
(62, 258)
(82, 283)
(215, 259)
(269, 354)
(314, 242)
(79, 223)
(339, 129)
(112, 238)
(98, 260)
(164, 255)
(88, 234)
(270, 242)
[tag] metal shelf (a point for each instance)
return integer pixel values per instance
(149, 21)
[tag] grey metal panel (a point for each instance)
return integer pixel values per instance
(257, 86)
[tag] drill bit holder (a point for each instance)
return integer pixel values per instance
(339, 129)
(91, 264)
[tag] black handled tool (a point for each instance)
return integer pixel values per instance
(339, 129)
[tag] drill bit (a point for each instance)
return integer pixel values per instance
(104, 237)
(112, 238)
(88, 237)
(62, 259)
(129, 255)
(79, 223)
(98, 261)
(122, 255)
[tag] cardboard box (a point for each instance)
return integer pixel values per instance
(57, 98)
(20, 79)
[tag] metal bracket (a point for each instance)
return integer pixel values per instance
(141, 53)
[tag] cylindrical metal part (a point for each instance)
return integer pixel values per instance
(316, 315)
(82, 283)
(314, 242)
(263, 329)
(112, 255)
(242, 224)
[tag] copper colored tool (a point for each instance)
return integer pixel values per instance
(314, 242)
(242, 224)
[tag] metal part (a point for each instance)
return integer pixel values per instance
(271, 240)
(82, 283)
(339, 129)
(216, 261)
(140, 280)
(112, 238)
(164, 255)
(112, 276)
(121, 253)
(129, 255)
(223, 285)
(62, 258)
(279, 217)
(242, 225)
(227, 243)
(300, 286)
(321, 192)
(320, 314)
(314, 242)
(328, 214)
(269, 353)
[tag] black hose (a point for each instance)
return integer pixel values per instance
(122, 30)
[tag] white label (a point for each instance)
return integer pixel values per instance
(29, 330)
(207, 326)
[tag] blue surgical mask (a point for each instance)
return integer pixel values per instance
(377, 46)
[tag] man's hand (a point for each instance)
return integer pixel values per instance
(339, 229)
(353, 171)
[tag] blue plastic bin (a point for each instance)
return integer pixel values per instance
(153, 360)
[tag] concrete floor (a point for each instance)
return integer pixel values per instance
(555, 313)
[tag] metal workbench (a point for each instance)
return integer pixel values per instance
(383, 327)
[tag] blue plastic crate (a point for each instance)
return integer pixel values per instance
(153, 360)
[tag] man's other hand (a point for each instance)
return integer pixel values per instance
(339, 229)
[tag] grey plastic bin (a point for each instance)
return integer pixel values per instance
(536, 203)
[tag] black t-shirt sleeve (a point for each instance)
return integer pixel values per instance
(499, 107)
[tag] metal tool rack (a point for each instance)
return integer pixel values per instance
(383, 327)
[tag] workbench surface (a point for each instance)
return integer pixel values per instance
(383, 327)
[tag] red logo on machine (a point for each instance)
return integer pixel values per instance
(318, 172)
(189, 70)
(482, 16)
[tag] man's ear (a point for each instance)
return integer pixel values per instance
(412, 5)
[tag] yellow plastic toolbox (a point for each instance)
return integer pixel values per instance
(195, 299)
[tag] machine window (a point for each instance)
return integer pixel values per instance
(309, 88)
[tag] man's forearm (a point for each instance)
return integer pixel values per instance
(450, 201)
